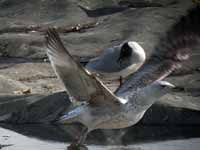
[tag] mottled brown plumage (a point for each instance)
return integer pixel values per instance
(136, 94)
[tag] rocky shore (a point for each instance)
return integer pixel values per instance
(29, 89)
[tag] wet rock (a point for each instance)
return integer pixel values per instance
(47, 108)
(161, 114)
(134, 135)
(144, 25)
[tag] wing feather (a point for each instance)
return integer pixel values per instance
(79, 83)
(174, 48)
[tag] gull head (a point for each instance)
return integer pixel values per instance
(131, 52)
(118, 61)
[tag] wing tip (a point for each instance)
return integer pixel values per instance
(53, 40)
(50, 33)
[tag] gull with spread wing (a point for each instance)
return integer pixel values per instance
(102, 109)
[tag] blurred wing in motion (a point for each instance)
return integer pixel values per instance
(174, 48)
(79, 83)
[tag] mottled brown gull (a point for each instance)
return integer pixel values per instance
(102, 109)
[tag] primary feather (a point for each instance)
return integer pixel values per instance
(79, 83)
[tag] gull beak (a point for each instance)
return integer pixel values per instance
(178, 89)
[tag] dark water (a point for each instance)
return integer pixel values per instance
(46, 137)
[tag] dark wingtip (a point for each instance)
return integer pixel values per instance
(51, 32)
(48, 34)
(53, 39)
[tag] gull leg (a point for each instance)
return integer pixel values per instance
(83, 136)
(79, 145)
(120, 80)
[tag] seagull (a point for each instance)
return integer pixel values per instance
(118, 62)
(99, 108)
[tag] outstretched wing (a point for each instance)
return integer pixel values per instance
(169, 53)
(79, 83)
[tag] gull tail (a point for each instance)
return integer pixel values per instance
(68, 118)
(71, 116)
(65, 119)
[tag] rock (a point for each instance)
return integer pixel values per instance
(9, 86)
(33, 108)
(36, 75)
(145, 26)
(22, 27)
(135, 135)
(47, 108)
(22, 45)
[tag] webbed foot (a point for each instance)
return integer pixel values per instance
(76, 146)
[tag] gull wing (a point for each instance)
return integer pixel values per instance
(174, 48)
(79, 83)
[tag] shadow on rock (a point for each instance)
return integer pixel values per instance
(33, 108)
(133, 135)
(103, 11)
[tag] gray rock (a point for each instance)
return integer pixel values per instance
(9, 86)
(33, 108)
(22, 26)
(144, 25)
(22, 45)
(47, 109)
